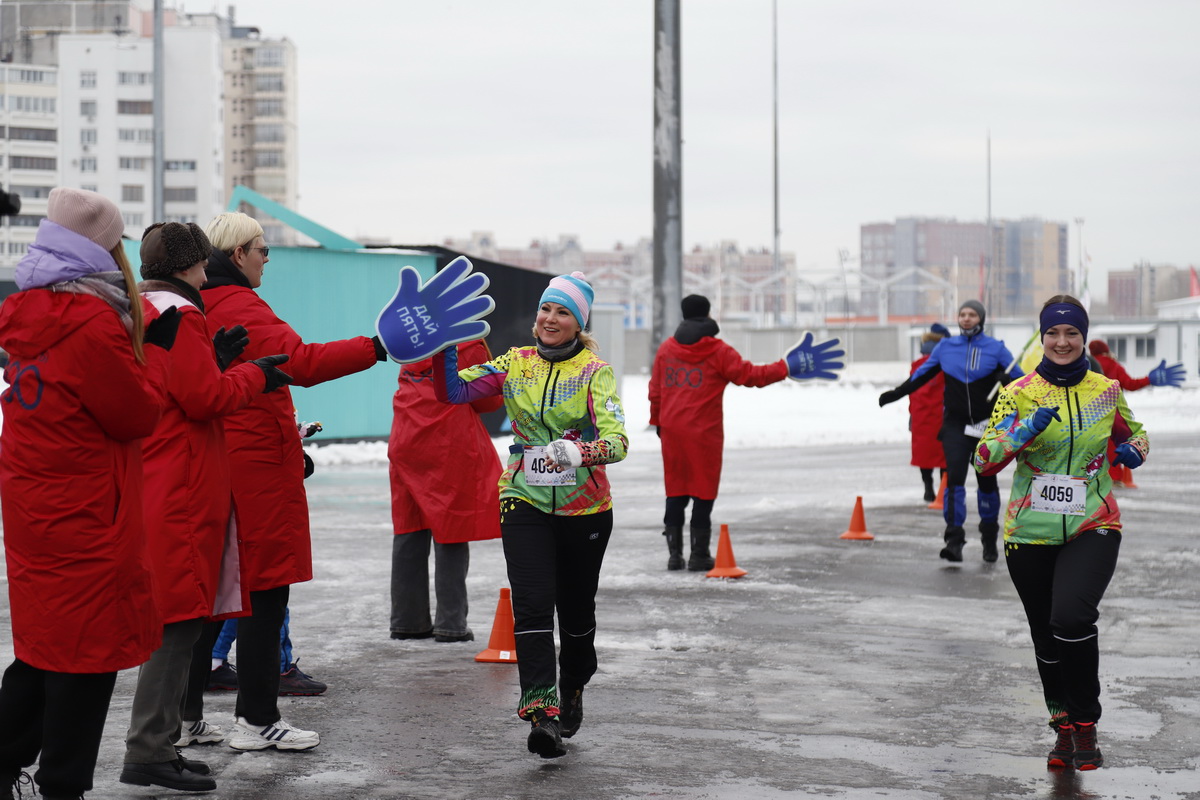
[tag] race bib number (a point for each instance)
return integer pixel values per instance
(540, 473)
(976, 430)
(1059, 494)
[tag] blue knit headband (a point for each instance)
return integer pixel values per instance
(1064, 314)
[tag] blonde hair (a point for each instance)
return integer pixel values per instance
(232, 229)
(135, 301)
(583, 336)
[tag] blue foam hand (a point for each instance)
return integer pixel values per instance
(1162, 375)
(1128, 455)
(423, 319)
(806, 360)
(1041, 419)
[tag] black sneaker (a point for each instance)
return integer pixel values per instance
(454, 637)
(546, 737)
(1087, 751)
(952, 551)
(571, 714)
(168, 774)
(222, 679)
(12, 781)
(294, 683)
(1063, 752)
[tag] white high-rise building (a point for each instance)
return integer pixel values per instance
(29, 161)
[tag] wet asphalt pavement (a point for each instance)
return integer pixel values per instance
(834, 669)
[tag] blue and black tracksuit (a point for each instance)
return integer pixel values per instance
(972, 364)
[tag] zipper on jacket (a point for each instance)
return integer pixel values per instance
(1070, 447)
(548, 391)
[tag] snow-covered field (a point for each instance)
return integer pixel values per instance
(791, 414)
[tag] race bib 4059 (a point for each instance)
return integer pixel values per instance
(1059, 494)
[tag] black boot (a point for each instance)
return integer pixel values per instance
(545, 738)
(674, 534)
(927, 478)
(168, 774)
(571, 714)
(987, 535)
(700, 560)
(955, 539)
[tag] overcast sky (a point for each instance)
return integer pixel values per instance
(422, 119)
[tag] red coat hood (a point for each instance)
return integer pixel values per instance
(34, 320)
(693, 353)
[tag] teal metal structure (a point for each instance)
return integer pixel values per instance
(328, 293)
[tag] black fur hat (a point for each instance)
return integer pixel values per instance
(170, 247)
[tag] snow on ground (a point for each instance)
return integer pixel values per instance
(792, 414)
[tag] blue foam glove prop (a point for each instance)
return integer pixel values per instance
(1041, 419)
(1162, 375)
(806, 360)
(422, 319)
(1128, 456)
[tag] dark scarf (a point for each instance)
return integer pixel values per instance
(693, 329)
(560, 353)
(172, 284)
(1064, 375)
(222, 271)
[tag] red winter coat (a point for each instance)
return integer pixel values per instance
(443, 466)
(189, 502)
(77, 405)
(925, 420)
(1113, 369)
(265, 455)
(687, 386)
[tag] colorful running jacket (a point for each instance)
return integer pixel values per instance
(1092, 411)
(574, 399)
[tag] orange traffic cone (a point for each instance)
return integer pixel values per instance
(1127, 479)
(726, 566)
(502, 645)
(858, 525)
(939, 503)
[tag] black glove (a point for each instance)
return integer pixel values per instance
(162, 331)
(890, 396)
(381, 353)
(275, 376)
(229, 344)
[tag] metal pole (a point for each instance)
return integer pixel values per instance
(1079, 272)
(668, 184)
(788, 291)
(159, 95)
(988, 300)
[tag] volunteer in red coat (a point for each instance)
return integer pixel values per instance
(82, 392)
(687, 386)
(191, 535)
(444, 472)
(267, 464)
(925, 415)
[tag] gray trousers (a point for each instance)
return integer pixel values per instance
(157, 703)
(410, 585)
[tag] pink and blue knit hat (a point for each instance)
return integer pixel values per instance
(572, 291)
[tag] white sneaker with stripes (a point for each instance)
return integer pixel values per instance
(279, 735)
(199, 732)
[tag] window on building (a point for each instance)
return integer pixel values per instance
(179, 194)
(33, 105)
(133, 193)
(25, 220)
(268, 56)
(133, 220)
(132, 163)
(87, 164)
(33, 134)
(181, 218)
(1144, 346)
(87, 135)
(135, 78)
(268, 108)
(87, 108)
(17, 248)
(268, 132)
(142, 135)
(87, 79)
(31, 192)
(135, 106)
(268, 83)
(179, 166)
(31, 76)
(268, 158)
(89, 187)
(33, 162)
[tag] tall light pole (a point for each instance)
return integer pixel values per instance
(668, 178)
(1080, 272)
(775, 141)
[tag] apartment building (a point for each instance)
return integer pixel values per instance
(29, 152)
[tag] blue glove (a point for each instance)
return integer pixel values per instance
(806, 360)
(1041, 419)
(423, 319)
(1162, 375)
(1128, 455)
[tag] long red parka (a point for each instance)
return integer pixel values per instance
(77, 406)
(925, 420)
(687, 388)
(265, 456)
(189, 503)
(443, 466)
